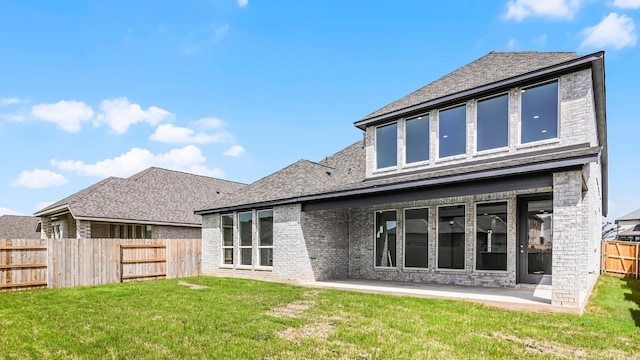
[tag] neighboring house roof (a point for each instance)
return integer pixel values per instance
(154, 195)
(634, 231)
(493, 67)
(308, 181)
(301, 178)
(18, 227)
(634, 215)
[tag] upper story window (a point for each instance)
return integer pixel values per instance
(539, 112)
(492, 122)
(417, 139)
(452, 131)
(387, 145)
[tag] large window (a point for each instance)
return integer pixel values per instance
(491, 236)
(539, 112)
(451, 235)
(493, 123)
(417, 139)
(265, 236)
(416, 238)
(227, 239)
(385, 239)
(387, 145)
(245, 233)
(452, 131)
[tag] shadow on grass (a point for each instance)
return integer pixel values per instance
(633, 296)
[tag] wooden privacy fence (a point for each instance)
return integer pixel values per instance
(58, 263)
(621, 258)
(23, 263)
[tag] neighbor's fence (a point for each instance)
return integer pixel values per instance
(621, 258)
(58, 263)
(23, 263)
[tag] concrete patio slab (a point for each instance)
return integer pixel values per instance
(534, 298)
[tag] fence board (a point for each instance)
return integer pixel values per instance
(23, 263)
(621, 258)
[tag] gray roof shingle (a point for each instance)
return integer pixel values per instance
(153, 195)
(18, 227)
(301, 178)
(634, 215)
(488, 69)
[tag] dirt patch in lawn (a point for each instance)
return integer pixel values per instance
(294, 309)
(319, 330)
(192, 286)
(545, 347)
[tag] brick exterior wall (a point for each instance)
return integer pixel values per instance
(83, 229)
(577, 126)
(175, 232)
(100, 230)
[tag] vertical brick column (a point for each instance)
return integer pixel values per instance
(211, 247)
(569, 265)
(45, 227)
(83, 229)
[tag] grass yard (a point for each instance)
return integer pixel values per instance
(243, 319)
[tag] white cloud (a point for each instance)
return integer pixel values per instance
(234, 151)
(69, 115)
(616, 31)
(561, 9)
(242, 3)
(10, 101)
(7, 211)
(119, 114)
(12, 117)
(42, 204)
(188, 159)
(175, 134)
(627, 4)
(39, 179)
(210, 123)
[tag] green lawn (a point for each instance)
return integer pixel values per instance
(243, 319)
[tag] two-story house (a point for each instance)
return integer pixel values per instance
(493, 175)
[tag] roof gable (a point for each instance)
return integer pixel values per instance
(488, 69)
(634, 215)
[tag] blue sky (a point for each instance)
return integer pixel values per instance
(241, 88)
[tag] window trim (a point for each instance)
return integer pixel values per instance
(240, 265)
(384, 268)
(475, 124)
(259, 247)
(375, 146)
(232, 247)
(455, 156)
(406, 164)
(475, 240)
(558, 115)
(436, 266)
(404, 236)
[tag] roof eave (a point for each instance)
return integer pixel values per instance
(600, 98)
(540, 73)
(56, 209)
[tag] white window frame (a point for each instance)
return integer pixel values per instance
(375, 231)
(437, 219)
(240, 246)
(404, 236)
(466, 137)
(544, 141)
(404, 142)
(475, 240)
(224, 247)
(260, 247)
(375, 146)
(475, 124)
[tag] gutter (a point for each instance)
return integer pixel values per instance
(451, 179)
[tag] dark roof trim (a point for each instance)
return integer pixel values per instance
(600, 98)
(480, 175)
(530, 76)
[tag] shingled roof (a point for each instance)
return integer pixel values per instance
(154, 195)
(18, 227)
(634, 215)
(301, 178)
(493, 67)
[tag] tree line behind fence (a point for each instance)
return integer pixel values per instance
(58, 263)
